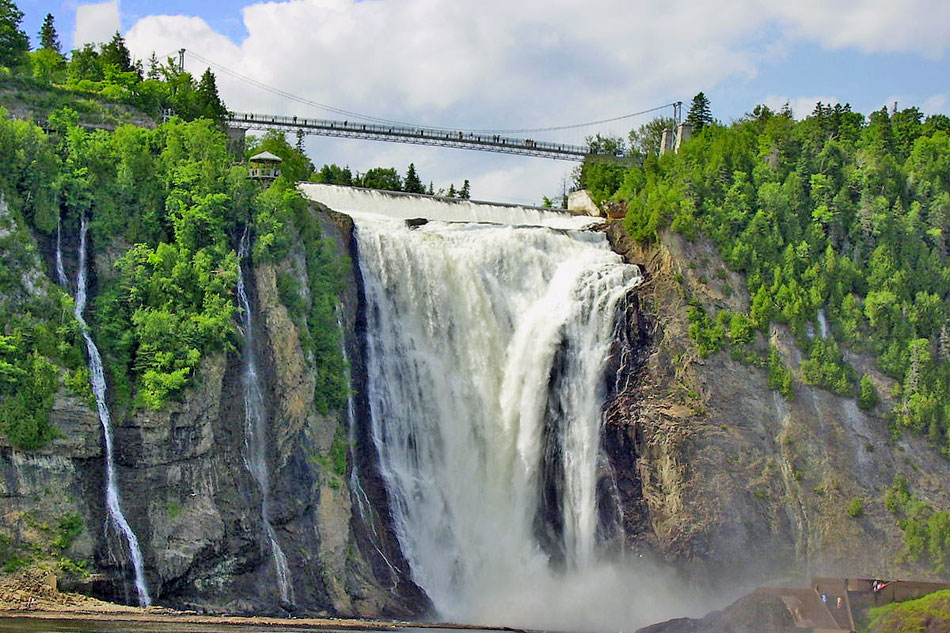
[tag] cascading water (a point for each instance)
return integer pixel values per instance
(255, 429)
(486, 346)
(113, 503)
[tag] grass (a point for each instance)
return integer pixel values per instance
(930, 613)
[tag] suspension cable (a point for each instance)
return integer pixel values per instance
(366, 117)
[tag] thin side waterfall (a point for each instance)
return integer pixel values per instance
(487, 351)
(255, 429)
(113, 502)
(60, 271)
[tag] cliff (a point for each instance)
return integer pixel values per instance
(184, 484)
(728, 480)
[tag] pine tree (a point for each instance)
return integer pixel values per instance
(466, 191)
(48, 36)
(14, 43)
(699, 113)
(451, 193)
(117, 54)
(412, 183)
(430, 191)
(209, 104)
(154, 72)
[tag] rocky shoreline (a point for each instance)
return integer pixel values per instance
(33, 594)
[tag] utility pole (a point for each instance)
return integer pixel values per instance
(678, 112)
(181, 60)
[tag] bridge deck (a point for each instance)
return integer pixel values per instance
(417, 136)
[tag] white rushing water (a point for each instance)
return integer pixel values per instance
(97, 378)
(355, 202)
(255, 429)
(482, 342)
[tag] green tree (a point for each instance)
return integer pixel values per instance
(48, 36)
(333, 175)
(699, 115)
(466, 191)
(606, 145)
(648, 138)
(412, 183)
(116, 53)
(207, 100)
(867, 398)
(384, 178)
(84, 63)
(14, 43)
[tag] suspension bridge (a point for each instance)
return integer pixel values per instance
(359, 126)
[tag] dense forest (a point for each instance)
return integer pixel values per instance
(840, 224)
(166, 205)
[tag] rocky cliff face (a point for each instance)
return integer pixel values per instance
(717, 474)
(189, 497)
(726, 479)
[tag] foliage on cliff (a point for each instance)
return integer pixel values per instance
(164, 207)
(106, 71)
(39, 339)
(838, 217)
(930, 613)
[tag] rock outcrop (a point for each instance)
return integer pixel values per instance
(190, 499)
(726, 479)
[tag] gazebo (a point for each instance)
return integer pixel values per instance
(264, 166)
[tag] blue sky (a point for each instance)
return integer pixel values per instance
(533, 63)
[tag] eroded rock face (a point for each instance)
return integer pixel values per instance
(752, 614)
(726, 479)
(190, 499)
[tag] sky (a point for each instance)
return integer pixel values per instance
(499, 64)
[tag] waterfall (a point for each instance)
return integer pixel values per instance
(255, 429)
(486, 356)
(113, 503)
(60, 270)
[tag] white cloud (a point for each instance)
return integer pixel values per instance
(871, 26)
(96, 23)
(936, 104)
(522, 64)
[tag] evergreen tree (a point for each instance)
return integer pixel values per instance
(48, 37)
(153, 68)
(413, 184)
(430, 191)
(466, 191)
(117, 54)
(14, 43)
(209, 104)
(451, 193)
(699, 113)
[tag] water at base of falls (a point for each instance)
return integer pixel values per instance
(255, 429)
(486, 346)
(98, 382)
